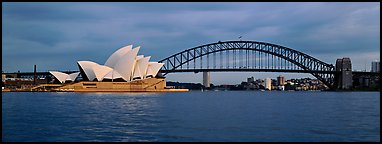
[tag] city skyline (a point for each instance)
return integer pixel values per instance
(56, 35)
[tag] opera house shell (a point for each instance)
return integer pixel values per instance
(122, 65)
(63, 77)
(123, 71)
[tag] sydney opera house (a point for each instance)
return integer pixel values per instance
(124, 70)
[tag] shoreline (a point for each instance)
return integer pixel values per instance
(164, 90)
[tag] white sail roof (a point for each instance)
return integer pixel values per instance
(143, 64)
(100, 71)
(59, 75)
(62, 77)
(73, 76)
(153, 68)
(141, 67)
(139, 57)
(87, 66)
(136, 72)
(112, 75)
(125, 65)
(116, 56)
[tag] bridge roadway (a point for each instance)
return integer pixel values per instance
(245, 70)
(31, 74)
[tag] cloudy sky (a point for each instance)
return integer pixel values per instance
(56, 35)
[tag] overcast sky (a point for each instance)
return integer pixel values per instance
(54, 36)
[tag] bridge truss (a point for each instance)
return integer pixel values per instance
(248, 56)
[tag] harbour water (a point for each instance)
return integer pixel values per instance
(191, 116)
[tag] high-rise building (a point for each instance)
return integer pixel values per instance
(280, 80)
(268, 84)
(3, 76)
(375, 66)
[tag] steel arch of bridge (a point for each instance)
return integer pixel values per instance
(307, 64)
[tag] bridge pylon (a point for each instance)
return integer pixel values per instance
(206, 79)
(343, 77)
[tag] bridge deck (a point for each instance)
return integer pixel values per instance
(244, 70)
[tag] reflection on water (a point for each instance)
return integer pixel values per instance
(191, 116)
(140, 94)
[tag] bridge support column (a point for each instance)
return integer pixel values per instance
(34, 75)
(206, 79)
(343, 77)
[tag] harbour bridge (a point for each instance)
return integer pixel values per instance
(254, 56)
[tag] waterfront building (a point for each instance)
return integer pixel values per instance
(3, 76)
(124, 71)
(292, 84)
(268, 84)
(375, 66)
(280, 80)
(123, 65)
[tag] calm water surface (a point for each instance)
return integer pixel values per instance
(191, 116)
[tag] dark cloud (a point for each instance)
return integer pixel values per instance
(39, 11)
(67, 32)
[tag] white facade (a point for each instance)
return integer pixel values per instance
(73, 76)
(112, 75)
(62, 77)
(100, 71)
(116, 56)
(125, 63)
(268, 84)
(141, 67)
(153, 69)
(87, 67)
